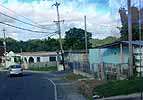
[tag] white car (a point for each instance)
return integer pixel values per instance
(15, 70)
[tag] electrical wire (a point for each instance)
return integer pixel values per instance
(23, 16)
(20, 20)
(23, 28)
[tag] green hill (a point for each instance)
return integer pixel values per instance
(99, 42)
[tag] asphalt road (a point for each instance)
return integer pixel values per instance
(31, 86)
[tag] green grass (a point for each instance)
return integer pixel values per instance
(73, 77)
(51, 69)
(113, 88)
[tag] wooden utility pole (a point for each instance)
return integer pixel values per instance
(130, 39)
(85, 26)
(140, 38)
(59, 31)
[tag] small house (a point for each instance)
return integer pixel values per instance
(12, 58)
(111, 61)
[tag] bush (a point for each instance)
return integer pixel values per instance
(113, 88)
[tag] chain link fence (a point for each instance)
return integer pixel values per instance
(107, 71)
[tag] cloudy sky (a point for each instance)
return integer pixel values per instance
(102, 17)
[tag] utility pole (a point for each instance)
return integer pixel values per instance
(4, 43)
(85, 26)
(140, 38)
(130, 39)
(59, 31)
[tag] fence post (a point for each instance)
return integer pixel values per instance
(102, 71)
(98, 72)
(118, 72)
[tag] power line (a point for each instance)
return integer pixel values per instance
(19, 20)
(23, 16)
(23, 28)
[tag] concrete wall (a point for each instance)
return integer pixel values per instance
(107, 55)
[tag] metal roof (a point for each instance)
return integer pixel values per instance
(137, 43)
(117, 43)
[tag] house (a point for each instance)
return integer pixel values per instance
(34, 57)
(111, 61)
(12, 58)
(1, 55)
(39, 59)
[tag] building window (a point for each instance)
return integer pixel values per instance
(38, 59)
(31, 60)
(52, 59)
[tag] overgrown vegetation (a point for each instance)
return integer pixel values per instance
(120, 87)
(51, 69)
(86, 87)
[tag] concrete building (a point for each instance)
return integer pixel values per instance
(34, 57)
(39, 59)
(111, 60)
(12, 58)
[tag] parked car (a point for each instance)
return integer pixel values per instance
(15, 70)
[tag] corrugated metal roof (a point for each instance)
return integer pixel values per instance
(136, 43)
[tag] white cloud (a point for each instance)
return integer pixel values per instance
(101, 25)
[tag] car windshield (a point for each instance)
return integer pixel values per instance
(15, 66)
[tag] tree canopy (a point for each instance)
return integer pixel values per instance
(75, 39)
(135, 32)
(35, 45)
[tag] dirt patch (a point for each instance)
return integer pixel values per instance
(86, 87)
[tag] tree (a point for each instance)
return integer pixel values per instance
(75, 39)
(34, 45)
(135, 32)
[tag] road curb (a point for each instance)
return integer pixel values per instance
(55, 88)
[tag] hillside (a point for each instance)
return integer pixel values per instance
(99, 42)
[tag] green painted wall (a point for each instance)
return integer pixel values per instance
(107, 55)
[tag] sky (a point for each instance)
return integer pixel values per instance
(102, 17)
